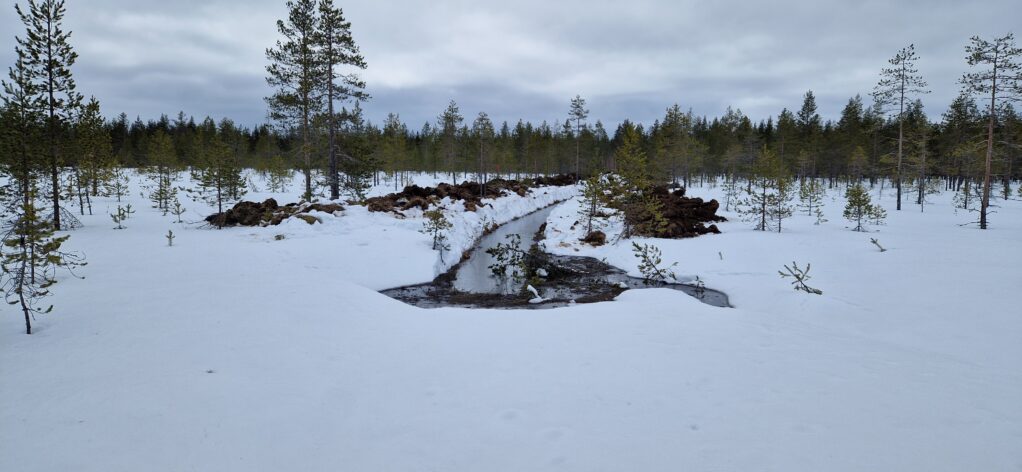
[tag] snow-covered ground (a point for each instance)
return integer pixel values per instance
(235, 351)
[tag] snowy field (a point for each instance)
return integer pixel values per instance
(236, 351)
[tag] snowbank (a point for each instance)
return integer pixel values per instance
(235, 351)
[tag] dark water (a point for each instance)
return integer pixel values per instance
(571, 279)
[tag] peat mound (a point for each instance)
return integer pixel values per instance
(686, 217)
(471, 193)
(269, 213)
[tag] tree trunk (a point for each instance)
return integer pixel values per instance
(335, 188)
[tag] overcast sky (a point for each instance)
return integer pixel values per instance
(526, 59)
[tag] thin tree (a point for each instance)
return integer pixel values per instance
(336, 47)
(896, 84)
(579, 113)
(295, 72)
(447, 125)
(1001, 80)
(482, 131)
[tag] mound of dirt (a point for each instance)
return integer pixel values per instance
(471, 193)
(686, 217)
(269, 213)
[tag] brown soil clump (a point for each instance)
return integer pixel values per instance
(470, 193)
(270, 213)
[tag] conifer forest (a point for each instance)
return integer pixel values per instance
(327, 235)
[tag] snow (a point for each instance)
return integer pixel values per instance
(232, 350)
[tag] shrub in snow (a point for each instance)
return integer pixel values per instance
(800, 278)
(510, 259)
(121, 214)
(650, 262)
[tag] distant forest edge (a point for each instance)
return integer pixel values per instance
(54, 138)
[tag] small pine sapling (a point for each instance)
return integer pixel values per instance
(119, 216)
(170, 238)
(800, 277)
(436, 226)
(280, 175)
(877, 244)
(877, 215)
(118, 185)
(650, 261)
(810, 196)
(781, 207)
(594, 197)
(177, 210)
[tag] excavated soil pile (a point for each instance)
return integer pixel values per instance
(686, 217)
(269, 213)
(471, 193)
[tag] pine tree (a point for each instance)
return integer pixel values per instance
(810, 195)
(897, 84)
(162, 171)
(30, 255)
(49, 58)
(859, 208)
(216, 174)
(578, 113)
(482, 134)
(336, 48)
(436, 226)
(769, 193)
(594, 197)
(23, 125)
(279, 174)
(96, 162)
(295, 71)
(1001, 80)
(360, 167)
(447, 125)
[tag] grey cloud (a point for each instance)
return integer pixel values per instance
(525, 59)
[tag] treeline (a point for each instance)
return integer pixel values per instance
(862, 143)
